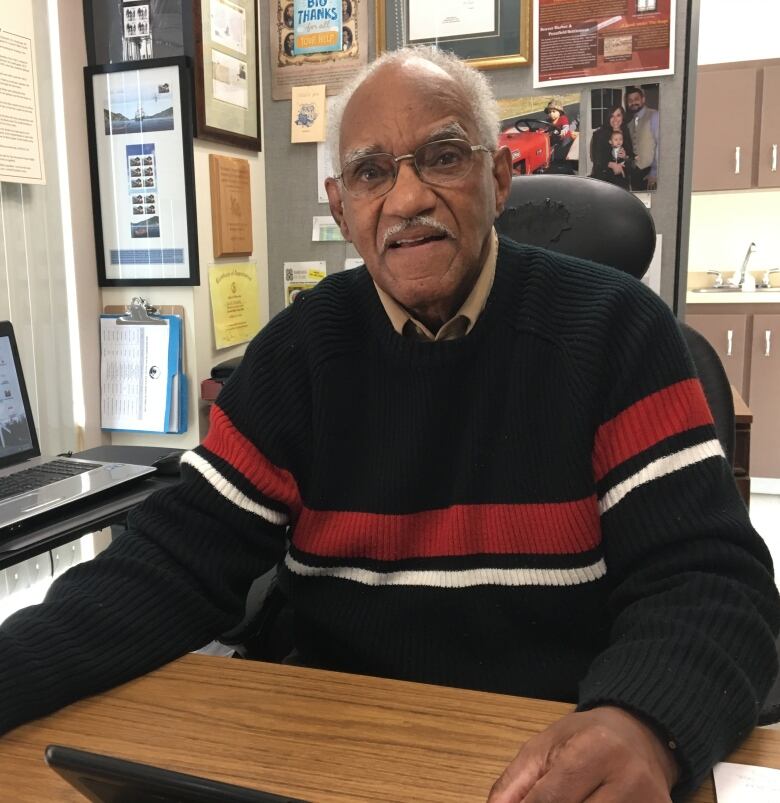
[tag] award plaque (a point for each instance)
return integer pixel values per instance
(231, 206)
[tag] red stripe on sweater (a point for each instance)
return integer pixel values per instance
(660, 415)
(225, 441)
(552, 528)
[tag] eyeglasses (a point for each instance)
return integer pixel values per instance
(440, 162)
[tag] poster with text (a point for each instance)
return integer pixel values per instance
(580, 41)
(292, 67)
(21, 145)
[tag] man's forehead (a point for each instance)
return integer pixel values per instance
(417, 97)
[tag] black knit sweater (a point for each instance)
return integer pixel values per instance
(538, 508)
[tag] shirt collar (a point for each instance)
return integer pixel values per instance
(462, 322)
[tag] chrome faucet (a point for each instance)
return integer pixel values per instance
(765, 281)
(718, 277)
(739, 276)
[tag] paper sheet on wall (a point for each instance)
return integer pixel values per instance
(235, 305)
(300, 276)
(308, 114)
(743, 783)
(140, 381)
(324, 229)
(21, 152)
(652, 277)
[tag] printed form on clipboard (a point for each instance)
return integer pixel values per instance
(142, 386)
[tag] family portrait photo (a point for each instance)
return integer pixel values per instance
(624, 144)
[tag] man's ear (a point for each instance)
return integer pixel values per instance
(333, 188)
(502, 176)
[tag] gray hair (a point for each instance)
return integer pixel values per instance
(479, 95)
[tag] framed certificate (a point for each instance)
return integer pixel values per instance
(488, 33)
(227, 89)
(141, 164)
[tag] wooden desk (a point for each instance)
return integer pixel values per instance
(322, 736)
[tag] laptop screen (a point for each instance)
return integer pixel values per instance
(17, 430)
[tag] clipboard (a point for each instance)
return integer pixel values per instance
(143, 387)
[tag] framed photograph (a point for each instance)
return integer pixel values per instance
(139, 128)
(488, 33)
(135, 30)
(227, 89)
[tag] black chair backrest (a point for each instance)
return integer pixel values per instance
(581, 217)
(595, 220)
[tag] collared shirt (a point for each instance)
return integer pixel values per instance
(464, 319)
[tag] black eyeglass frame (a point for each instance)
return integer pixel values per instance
(413, 156)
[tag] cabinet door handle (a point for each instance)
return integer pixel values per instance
(730, 341)
(768, 336)
(737, 155)
(774, 158)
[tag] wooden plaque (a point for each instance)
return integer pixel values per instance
(231, 206)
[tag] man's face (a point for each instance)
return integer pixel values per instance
(395, 111)
(635, 101)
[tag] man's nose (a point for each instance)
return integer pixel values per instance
(410, 195)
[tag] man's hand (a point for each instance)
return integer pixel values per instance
(652, 182)
(601, 756)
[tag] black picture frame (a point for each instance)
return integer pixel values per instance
(217, 121)
(178, 257)
(509, 45)
(170, 27)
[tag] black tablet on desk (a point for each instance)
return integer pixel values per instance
(104, 779)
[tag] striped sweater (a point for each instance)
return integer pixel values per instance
(539, 508)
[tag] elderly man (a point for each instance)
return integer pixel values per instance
(495, 468)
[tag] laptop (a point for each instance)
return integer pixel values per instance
(30, 483)
(104, 779)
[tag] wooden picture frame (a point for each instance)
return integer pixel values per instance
(139, 132)
(168, 31)
(227, 110)
(508, 44)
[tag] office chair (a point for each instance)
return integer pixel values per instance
(595, 220)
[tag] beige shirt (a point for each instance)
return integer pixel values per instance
(464, 319)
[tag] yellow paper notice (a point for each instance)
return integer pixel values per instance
(308, 114)
(235, 304)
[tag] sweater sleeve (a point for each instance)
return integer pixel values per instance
(694, 608)
(179, 576)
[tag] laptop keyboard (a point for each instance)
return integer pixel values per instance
(31, 479)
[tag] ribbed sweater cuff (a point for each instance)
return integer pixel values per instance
(697, 713)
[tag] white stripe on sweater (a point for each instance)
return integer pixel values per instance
(458, 578)
(660, 468)
(226, 488)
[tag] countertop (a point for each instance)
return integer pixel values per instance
(757, 297)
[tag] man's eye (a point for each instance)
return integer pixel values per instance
(369, 172)
(445, 157)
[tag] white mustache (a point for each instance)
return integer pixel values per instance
(419, 220)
